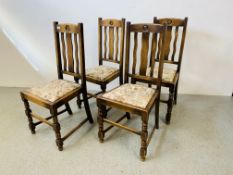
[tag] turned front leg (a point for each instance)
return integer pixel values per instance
(144, 136)
(57, 128)
(28, 114)
(101, 116)
(170, 105)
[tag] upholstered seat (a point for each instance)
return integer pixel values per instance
(101, 73)
(168, 74)
(131, 94)
(53, 90)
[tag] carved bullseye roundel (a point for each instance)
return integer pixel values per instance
(145, 27)
(111, 23)
(169, 21)
(67, 28)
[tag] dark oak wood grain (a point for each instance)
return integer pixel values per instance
(176, 28)
(136, 30)
(65, 65)
(111, 34)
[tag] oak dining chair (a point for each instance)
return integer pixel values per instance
(136, 98)
(174, 46)
(111, 34)
(69, 44)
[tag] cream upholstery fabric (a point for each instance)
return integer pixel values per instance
(53, 90)
(101, 72)
(168, 73)
(132, 94)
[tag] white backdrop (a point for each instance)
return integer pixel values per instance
(207, 63)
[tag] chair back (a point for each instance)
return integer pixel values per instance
(147, 43)
(111, 40)
(69, 44)
(175, 39)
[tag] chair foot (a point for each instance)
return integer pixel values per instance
(32, 130)
(79, 103)
(101, 136)
(143, 153)
(156, 126)
(59, 143)
(167, 121)
(68, 109)
(31, 125)
(128, 115)
(91, 121)
(168, 118)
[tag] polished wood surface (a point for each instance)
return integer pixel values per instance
(69, 64)
(176, 29)
(111, 34)
(131, 62)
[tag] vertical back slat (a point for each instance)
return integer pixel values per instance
(117, 43)
(105, 42)
(175, 41)
(153, 51)
(70, 52)
(144, 53)
(135, 52)
(159, 45)
(111, 43)
(64, 51)
(167, 42)
(100, 41)
(76, 52)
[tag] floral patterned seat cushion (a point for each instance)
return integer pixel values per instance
(53, 90)
(100, 73)
(132, 94)
(168, 73)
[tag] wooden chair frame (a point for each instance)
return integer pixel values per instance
(64, 66)
(173, 86)
(102, 102)
(109, 29)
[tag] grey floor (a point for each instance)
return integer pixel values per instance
(199, 141)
